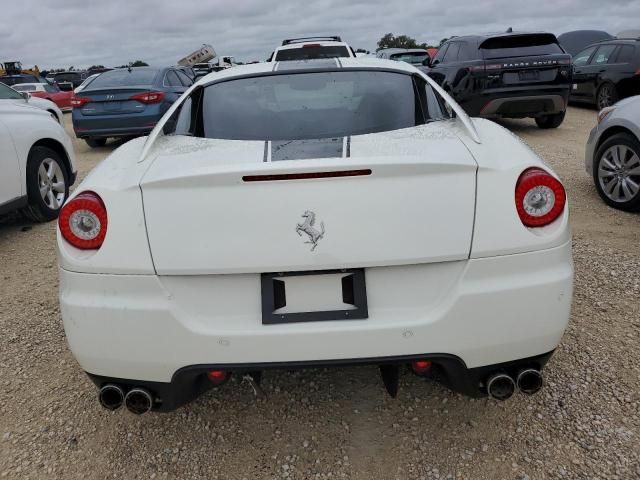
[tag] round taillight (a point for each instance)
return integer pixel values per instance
(83, 221)
(540, 197)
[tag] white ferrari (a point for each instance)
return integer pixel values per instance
(327, 212)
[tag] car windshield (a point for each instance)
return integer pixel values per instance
(311, 105)
(414, 58)
(311, 52)
(124, 77)
(8, 93)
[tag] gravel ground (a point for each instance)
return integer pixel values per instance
(339, 423)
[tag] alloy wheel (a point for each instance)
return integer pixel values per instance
(51, 184)
(619, 173)
(605, 96)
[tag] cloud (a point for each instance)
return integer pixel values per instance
(83, 33)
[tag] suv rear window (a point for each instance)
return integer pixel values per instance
(124, 78)
(520, 46)
(310, 106)
(414, 58)
(311, 52)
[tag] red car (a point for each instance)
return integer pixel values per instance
(48, 92)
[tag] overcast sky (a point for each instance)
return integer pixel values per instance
(60, 33)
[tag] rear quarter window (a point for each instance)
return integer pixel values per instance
(625, 55)
(520, 46)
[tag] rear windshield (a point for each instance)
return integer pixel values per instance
(124, 78)
(311, 105)
(311, 52)
(67, 77)
(414, 58)
(520, 46)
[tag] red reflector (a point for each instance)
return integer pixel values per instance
(311, 45)
(83, 221)
(421, 366)
(540, 197)
(217, 377)
(305, 176)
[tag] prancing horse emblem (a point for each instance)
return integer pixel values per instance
(308, 227)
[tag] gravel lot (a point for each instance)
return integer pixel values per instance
(340, 423)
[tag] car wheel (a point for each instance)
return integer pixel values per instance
(96, 142)
(606, 96)
(616, 172)
(47, 184)
(550, 121)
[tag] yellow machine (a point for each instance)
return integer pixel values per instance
(15, 68)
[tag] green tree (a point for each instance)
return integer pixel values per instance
(138, 63)
(93, 67)
(389, 40)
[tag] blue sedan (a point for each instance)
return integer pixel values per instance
(126, 102)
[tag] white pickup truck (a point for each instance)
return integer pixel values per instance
(307, 48)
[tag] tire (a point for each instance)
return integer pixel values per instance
(47, 184)
(96, 142)
(606, 96)
(618, 181)
(550, 121)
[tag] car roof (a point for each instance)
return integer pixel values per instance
(319, 65)
(30, 84)
(331, 43)
(484, 36)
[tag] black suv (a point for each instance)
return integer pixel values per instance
(606, 72)
(511, 75)
(67, 81)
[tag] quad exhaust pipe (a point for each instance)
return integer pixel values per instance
(137, 400)
(111, 397)
(529, 381)
(501, 386)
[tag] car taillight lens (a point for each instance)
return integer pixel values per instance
(540, 197)
(79, 101)
(148, 97)
(83, 221)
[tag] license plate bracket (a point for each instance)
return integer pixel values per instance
(274, 297)
(529, 75)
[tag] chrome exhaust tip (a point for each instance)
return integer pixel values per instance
(529, 381)
(138, 401)
(111, 397)
(501, 386)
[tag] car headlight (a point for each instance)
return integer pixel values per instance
(604, 113)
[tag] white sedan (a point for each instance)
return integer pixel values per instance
(319, 213)
(36, 159)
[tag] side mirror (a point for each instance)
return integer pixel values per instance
(26, 96)
(427, 62)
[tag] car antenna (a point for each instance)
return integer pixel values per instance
(509, 30)
(129, 67)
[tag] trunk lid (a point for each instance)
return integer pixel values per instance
(113, 101)
(203, 216)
